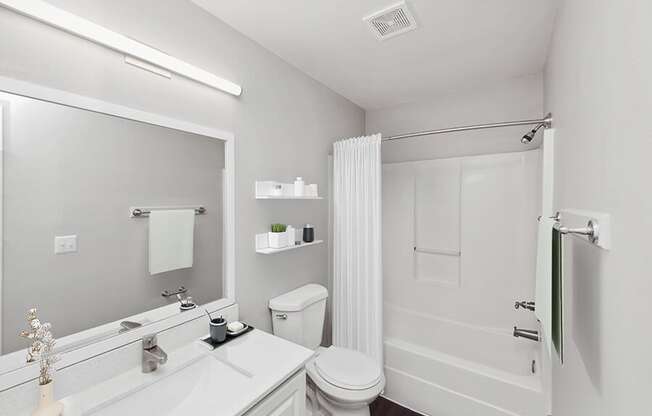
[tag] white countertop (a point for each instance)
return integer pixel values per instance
(226, 381)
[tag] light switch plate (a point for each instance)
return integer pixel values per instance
(65, 244)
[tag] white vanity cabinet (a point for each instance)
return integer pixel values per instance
(256, 375)
(287, 400)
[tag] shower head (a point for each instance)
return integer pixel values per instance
(528, 137)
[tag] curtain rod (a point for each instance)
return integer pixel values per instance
(546, 121)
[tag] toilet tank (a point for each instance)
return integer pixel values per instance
(298, 316)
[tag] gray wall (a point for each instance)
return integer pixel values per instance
(284, 123)
(514, 99)
(598, 84)
(70, 171)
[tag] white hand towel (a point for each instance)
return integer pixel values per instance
(171, 235)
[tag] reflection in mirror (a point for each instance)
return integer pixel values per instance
(72, 247)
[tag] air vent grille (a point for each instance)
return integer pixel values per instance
(392, 21)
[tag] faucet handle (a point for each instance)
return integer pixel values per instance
(524, 304)
(149, 341)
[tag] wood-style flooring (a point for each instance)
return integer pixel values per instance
(383, 407)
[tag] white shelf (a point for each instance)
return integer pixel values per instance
(267, 190)
(287, 197)
(278, 250)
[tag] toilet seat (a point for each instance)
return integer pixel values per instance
(348, 369)
(330, 376)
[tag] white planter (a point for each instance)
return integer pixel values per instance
(278, 240)
(47, 406)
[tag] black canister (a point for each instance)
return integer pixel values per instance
(218, 329)
(308, 233)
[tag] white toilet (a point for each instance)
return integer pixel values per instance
(340, 381)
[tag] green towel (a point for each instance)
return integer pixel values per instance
(557, 294)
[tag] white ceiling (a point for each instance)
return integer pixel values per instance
(459, 43)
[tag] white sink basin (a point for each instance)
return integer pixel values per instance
(190, 390)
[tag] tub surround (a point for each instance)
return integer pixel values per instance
(455, 266)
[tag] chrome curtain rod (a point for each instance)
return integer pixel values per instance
(546, 121)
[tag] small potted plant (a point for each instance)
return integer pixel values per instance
(278, 238)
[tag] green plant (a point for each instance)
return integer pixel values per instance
(279, 228)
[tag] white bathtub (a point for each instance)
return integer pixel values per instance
(448, 368)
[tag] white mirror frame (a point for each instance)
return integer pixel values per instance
(25, 373)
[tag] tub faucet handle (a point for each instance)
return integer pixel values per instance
(524, 304)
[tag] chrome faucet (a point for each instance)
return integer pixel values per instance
(128, 326)
(526, 333)
(153, 355)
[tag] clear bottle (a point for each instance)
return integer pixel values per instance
(291, 235)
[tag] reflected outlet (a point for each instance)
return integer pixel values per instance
(65, 244)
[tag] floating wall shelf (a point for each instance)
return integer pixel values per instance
(269, 250)
(279, 190)
(286, 197)
(262, 245)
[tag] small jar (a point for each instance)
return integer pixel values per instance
(308, 233)
(299, 185)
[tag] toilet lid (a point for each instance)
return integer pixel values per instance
(348, 369)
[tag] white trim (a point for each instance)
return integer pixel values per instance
(229, 217)
(61, 19)
(52, 95)
(27, 89)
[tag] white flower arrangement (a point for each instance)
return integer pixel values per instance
(42, 347)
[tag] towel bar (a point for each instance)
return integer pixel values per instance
(144, 212)
(591, 231)
(167, 293)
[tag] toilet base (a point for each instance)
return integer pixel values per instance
(330, 408)
(318, 404)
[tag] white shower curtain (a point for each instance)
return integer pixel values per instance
(357, 249)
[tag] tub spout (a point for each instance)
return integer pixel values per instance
(526, 333)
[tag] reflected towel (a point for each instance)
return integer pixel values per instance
(171, 235)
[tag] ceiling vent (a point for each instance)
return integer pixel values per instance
(391, 21)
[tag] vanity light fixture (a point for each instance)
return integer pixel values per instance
(130, 60)
(61, 19)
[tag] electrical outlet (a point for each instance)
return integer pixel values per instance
(65, 244)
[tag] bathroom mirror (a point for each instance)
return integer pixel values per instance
(78, 243)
